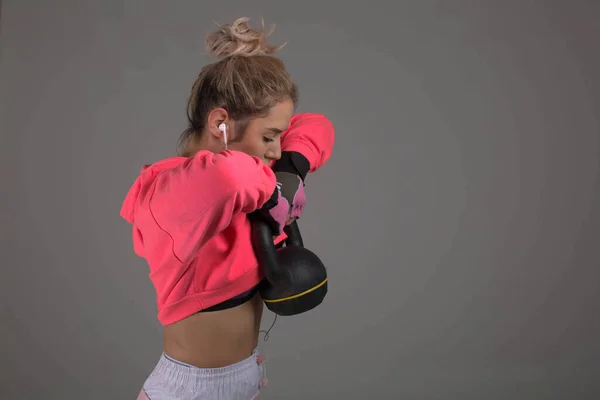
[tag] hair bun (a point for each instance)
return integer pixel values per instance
(239, 39)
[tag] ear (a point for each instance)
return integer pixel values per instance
(215, 118)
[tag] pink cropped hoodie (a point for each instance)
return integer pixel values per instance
(190, 224)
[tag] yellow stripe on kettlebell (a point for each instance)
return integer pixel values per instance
(297, 295)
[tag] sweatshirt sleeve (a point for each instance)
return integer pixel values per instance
(311, 135)
(195, 201)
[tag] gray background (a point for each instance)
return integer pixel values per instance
(459, 215)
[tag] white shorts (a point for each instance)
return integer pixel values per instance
(174, 380)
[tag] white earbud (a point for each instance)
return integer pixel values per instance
(223, 128)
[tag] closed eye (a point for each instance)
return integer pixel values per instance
(268, 140)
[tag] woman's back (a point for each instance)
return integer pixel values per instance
(218, 338)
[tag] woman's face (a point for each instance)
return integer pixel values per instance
(262, 136)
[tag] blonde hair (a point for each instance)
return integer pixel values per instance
(246, 81)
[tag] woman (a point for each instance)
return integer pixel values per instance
(244, 152)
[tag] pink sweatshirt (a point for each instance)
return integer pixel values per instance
(189, 218)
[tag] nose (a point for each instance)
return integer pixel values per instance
(274, 153)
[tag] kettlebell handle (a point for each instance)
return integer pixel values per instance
(294, 238)
(264, 248)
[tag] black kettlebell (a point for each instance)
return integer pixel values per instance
(296, 279)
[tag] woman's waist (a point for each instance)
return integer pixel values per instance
(217, 338)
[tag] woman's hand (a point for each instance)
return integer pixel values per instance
(275, 212)
(290, 171)
(286, 203)
(292, 190)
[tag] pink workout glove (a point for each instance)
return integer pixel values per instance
(275, 212)
(291, 170)
(291, 187)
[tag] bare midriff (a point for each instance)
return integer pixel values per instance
(215, 339)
